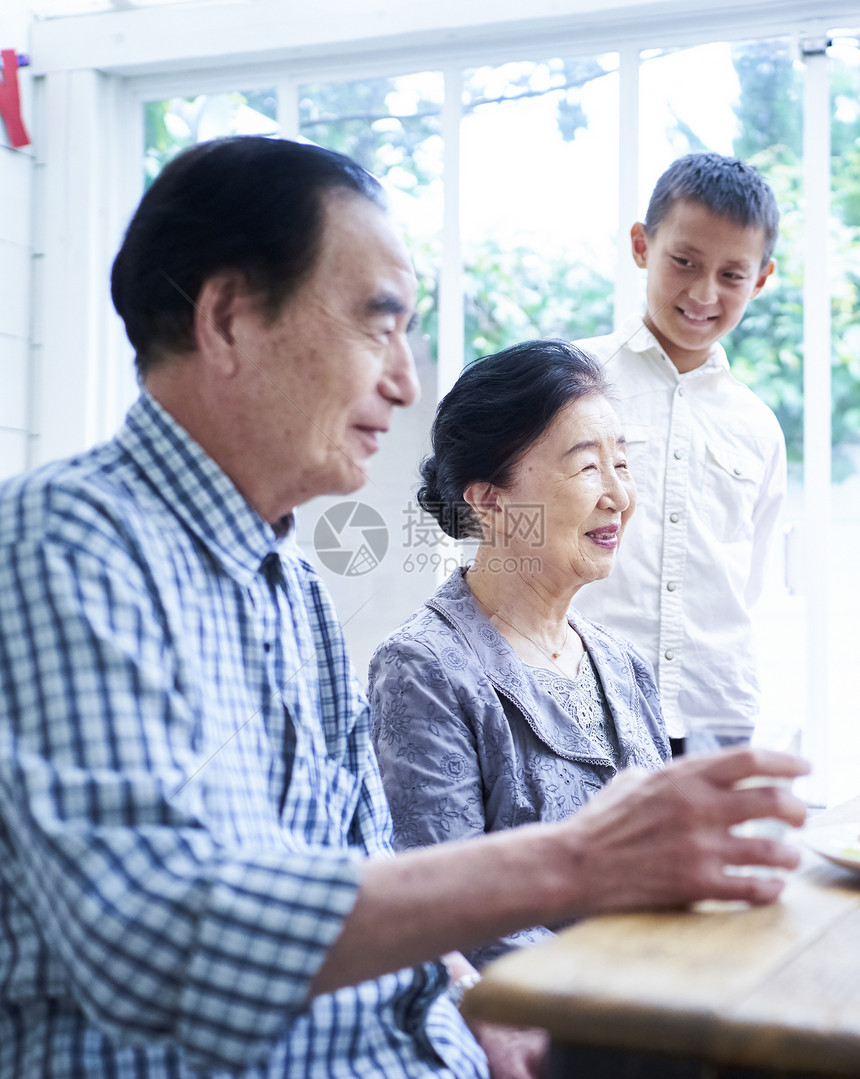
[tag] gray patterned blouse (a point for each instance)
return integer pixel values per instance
(470, 739)
(582, 698)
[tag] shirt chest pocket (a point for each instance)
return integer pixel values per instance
(642, 460)
(733, 478)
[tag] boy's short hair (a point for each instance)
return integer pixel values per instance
(726, 186)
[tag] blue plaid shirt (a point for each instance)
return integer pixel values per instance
(187, 788)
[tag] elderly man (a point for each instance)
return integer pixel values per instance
(196, 874)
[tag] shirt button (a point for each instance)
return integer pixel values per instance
(680, 391)
(736, 471)
(671, 586)
(669, 655)
(677, 455)
(674, 518)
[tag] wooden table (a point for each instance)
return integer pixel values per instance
(737, 992)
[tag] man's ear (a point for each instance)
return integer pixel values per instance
(762, 278)
(220, 301)
(639, 245)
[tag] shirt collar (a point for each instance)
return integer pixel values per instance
(499, 663)
(639, 339)
(200, 494)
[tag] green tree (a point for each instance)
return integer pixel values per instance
(368, 121)
(516, 294)
(766, 349)
(768, 107)
(393, 128)
(175, 124)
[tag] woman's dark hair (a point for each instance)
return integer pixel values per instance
(498, 407)
(249, 204)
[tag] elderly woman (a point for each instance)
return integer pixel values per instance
(495, 704)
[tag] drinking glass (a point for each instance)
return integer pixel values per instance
(710, 735)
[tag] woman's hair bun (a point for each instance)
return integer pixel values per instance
(454, 516)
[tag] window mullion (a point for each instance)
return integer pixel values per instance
(450, 359)
(817, 407)
(626, 271)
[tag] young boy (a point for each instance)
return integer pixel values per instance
(707, 455)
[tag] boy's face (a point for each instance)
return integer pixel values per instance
(703, 269)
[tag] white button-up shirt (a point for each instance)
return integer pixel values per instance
(708, 458)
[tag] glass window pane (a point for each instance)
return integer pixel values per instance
(687, 102)
(391, 126)
(179, 122)
(539, 200)
(845, 373)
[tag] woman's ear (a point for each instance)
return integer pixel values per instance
(484, 498)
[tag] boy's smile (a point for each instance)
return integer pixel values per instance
(703, 269)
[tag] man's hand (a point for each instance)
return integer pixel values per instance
(662, 839)
(647, 841)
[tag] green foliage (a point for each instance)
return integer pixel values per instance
(562, 80)
(376, 122)
(392, 128)
(766, 349)
(173, 125)
(161, 144)
(845, 142)
(513, 294)
(769, 106)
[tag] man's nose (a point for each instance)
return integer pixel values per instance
(400, 380)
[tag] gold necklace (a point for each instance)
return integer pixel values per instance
(540, 648)
(498, 614)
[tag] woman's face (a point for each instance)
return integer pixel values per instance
(563, 514)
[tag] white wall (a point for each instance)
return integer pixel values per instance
(16, 248)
